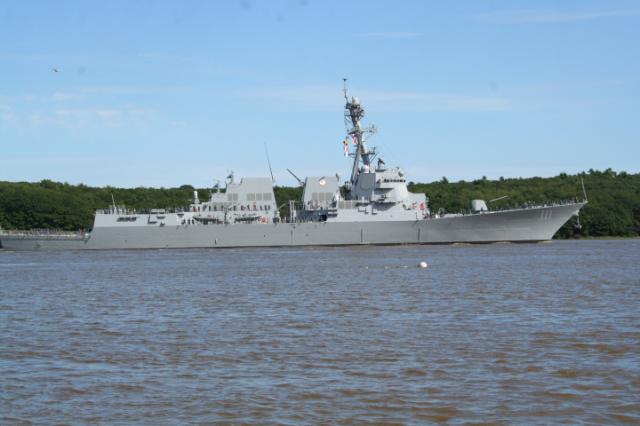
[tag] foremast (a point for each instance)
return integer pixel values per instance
(354, 112)
(379, 192)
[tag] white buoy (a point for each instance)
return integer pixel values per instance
(422, 265)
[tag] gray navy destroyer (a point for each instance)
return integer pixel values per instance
(373, 207)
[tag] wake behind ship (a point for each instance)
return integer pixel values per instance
(375, 207)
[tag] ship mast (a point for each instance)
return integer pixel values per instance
(354, 113)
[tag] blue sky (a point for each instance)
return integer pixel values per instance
(154, 93)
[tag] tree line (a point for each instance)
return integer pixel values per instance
(613, 208)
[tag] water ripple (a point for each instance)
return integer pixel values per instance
(496, 334)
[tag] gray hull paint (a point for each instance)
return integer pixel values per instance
(521, 225)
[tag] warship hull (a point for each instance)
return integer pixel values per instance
(517, 225)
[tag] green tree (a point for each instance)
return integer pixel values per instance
(613, 208)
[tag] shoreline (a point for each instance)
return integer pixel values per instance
(598, 238)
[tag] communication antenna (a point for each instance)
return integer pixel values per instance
(344, 88)
(294, 175)
(113, 200)
(584, 191)
(266, 151)
(346, 99)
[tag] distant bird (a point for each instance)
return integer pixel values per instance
(54, 69)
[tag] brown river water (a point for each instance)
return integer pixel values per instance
(498, 334)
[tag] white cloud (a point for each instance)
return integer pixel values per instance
(553, 16)
(438, 101)
(311, 95)
(76, 118)
(75, 93)
(322, 96)
(70, 109)
(198, 63)
(390, 34)
(6, 114)
(95, 117)
(133, 90)
(65, 96)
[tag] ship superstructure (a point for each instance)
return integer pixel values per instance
(374, 192)
(249, 201)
